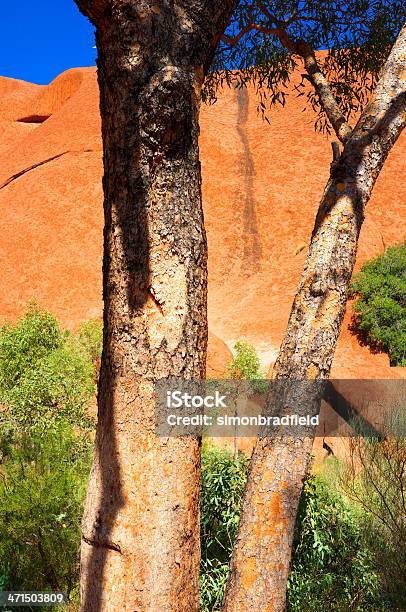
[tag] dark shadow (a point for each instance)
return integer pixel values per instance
(362, 337)
(252, 244)
(145, 140)
(105, 457)
(34, 119)
(348, 412)
(126, 272)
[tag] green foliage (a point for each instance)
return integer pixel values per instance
(356, 36)
(223, 482)
(380, 311)
(375, 479)
(332, 569)
(25, 344)
(44, 372)
(46, 382)
(90, 335)
(245, 365)
(42, 487)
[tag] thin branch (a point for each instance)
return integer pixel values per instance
(269, 15)
(315, 75)
(232, 41)
(297, 16)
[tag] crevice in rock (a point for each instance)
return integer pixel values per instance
(45, 161)
(33, 119)
(22, 172)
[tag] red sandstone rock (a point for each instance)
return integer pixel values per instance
(219, 357)
(261, 188)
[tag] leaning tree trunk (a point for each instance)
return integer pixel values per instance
(261, 558)
(140, 531)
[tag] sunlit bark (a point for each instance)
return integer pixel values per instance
(140, 531)
(261, 559)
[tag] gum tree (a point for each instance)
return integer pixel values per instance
(140, 531)
(362, 99)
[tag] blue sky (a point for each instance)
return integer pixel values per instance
(40, 39)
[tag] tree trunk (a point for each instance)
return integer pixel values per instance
(140, 531)
(261, 558)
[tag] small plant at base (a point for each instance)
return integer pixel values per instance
(223, 482)
(245, 365)
(332, 569)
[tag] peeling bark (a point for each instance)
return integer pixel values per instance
(261, 559)
(140, 544)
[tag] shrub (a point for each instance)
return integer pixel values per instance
(90, 335)
(380, 311)
(46, 381)
(375, 479)
(223, 482)
(22, 346)
(44, 372)
(42, 487)
(332, 569)
(245, 365)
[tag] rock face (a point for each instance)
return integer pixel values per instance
(261, 188)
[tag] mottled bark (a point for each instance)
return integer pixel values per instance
(261, 559)
(324, 92)
(140, 531)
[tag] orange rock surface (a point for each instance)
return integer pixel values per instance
(261, 188)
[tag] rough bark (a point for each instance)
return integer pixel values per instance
(261, 558)
(140, 531)
(323, 89)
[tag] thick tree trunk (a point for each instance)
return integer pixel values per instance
(261, 559)
(140, 531)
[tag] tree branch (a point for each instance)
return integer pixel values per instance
(323, 90)
(268, 14)
(305, 51)
(232, 41)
